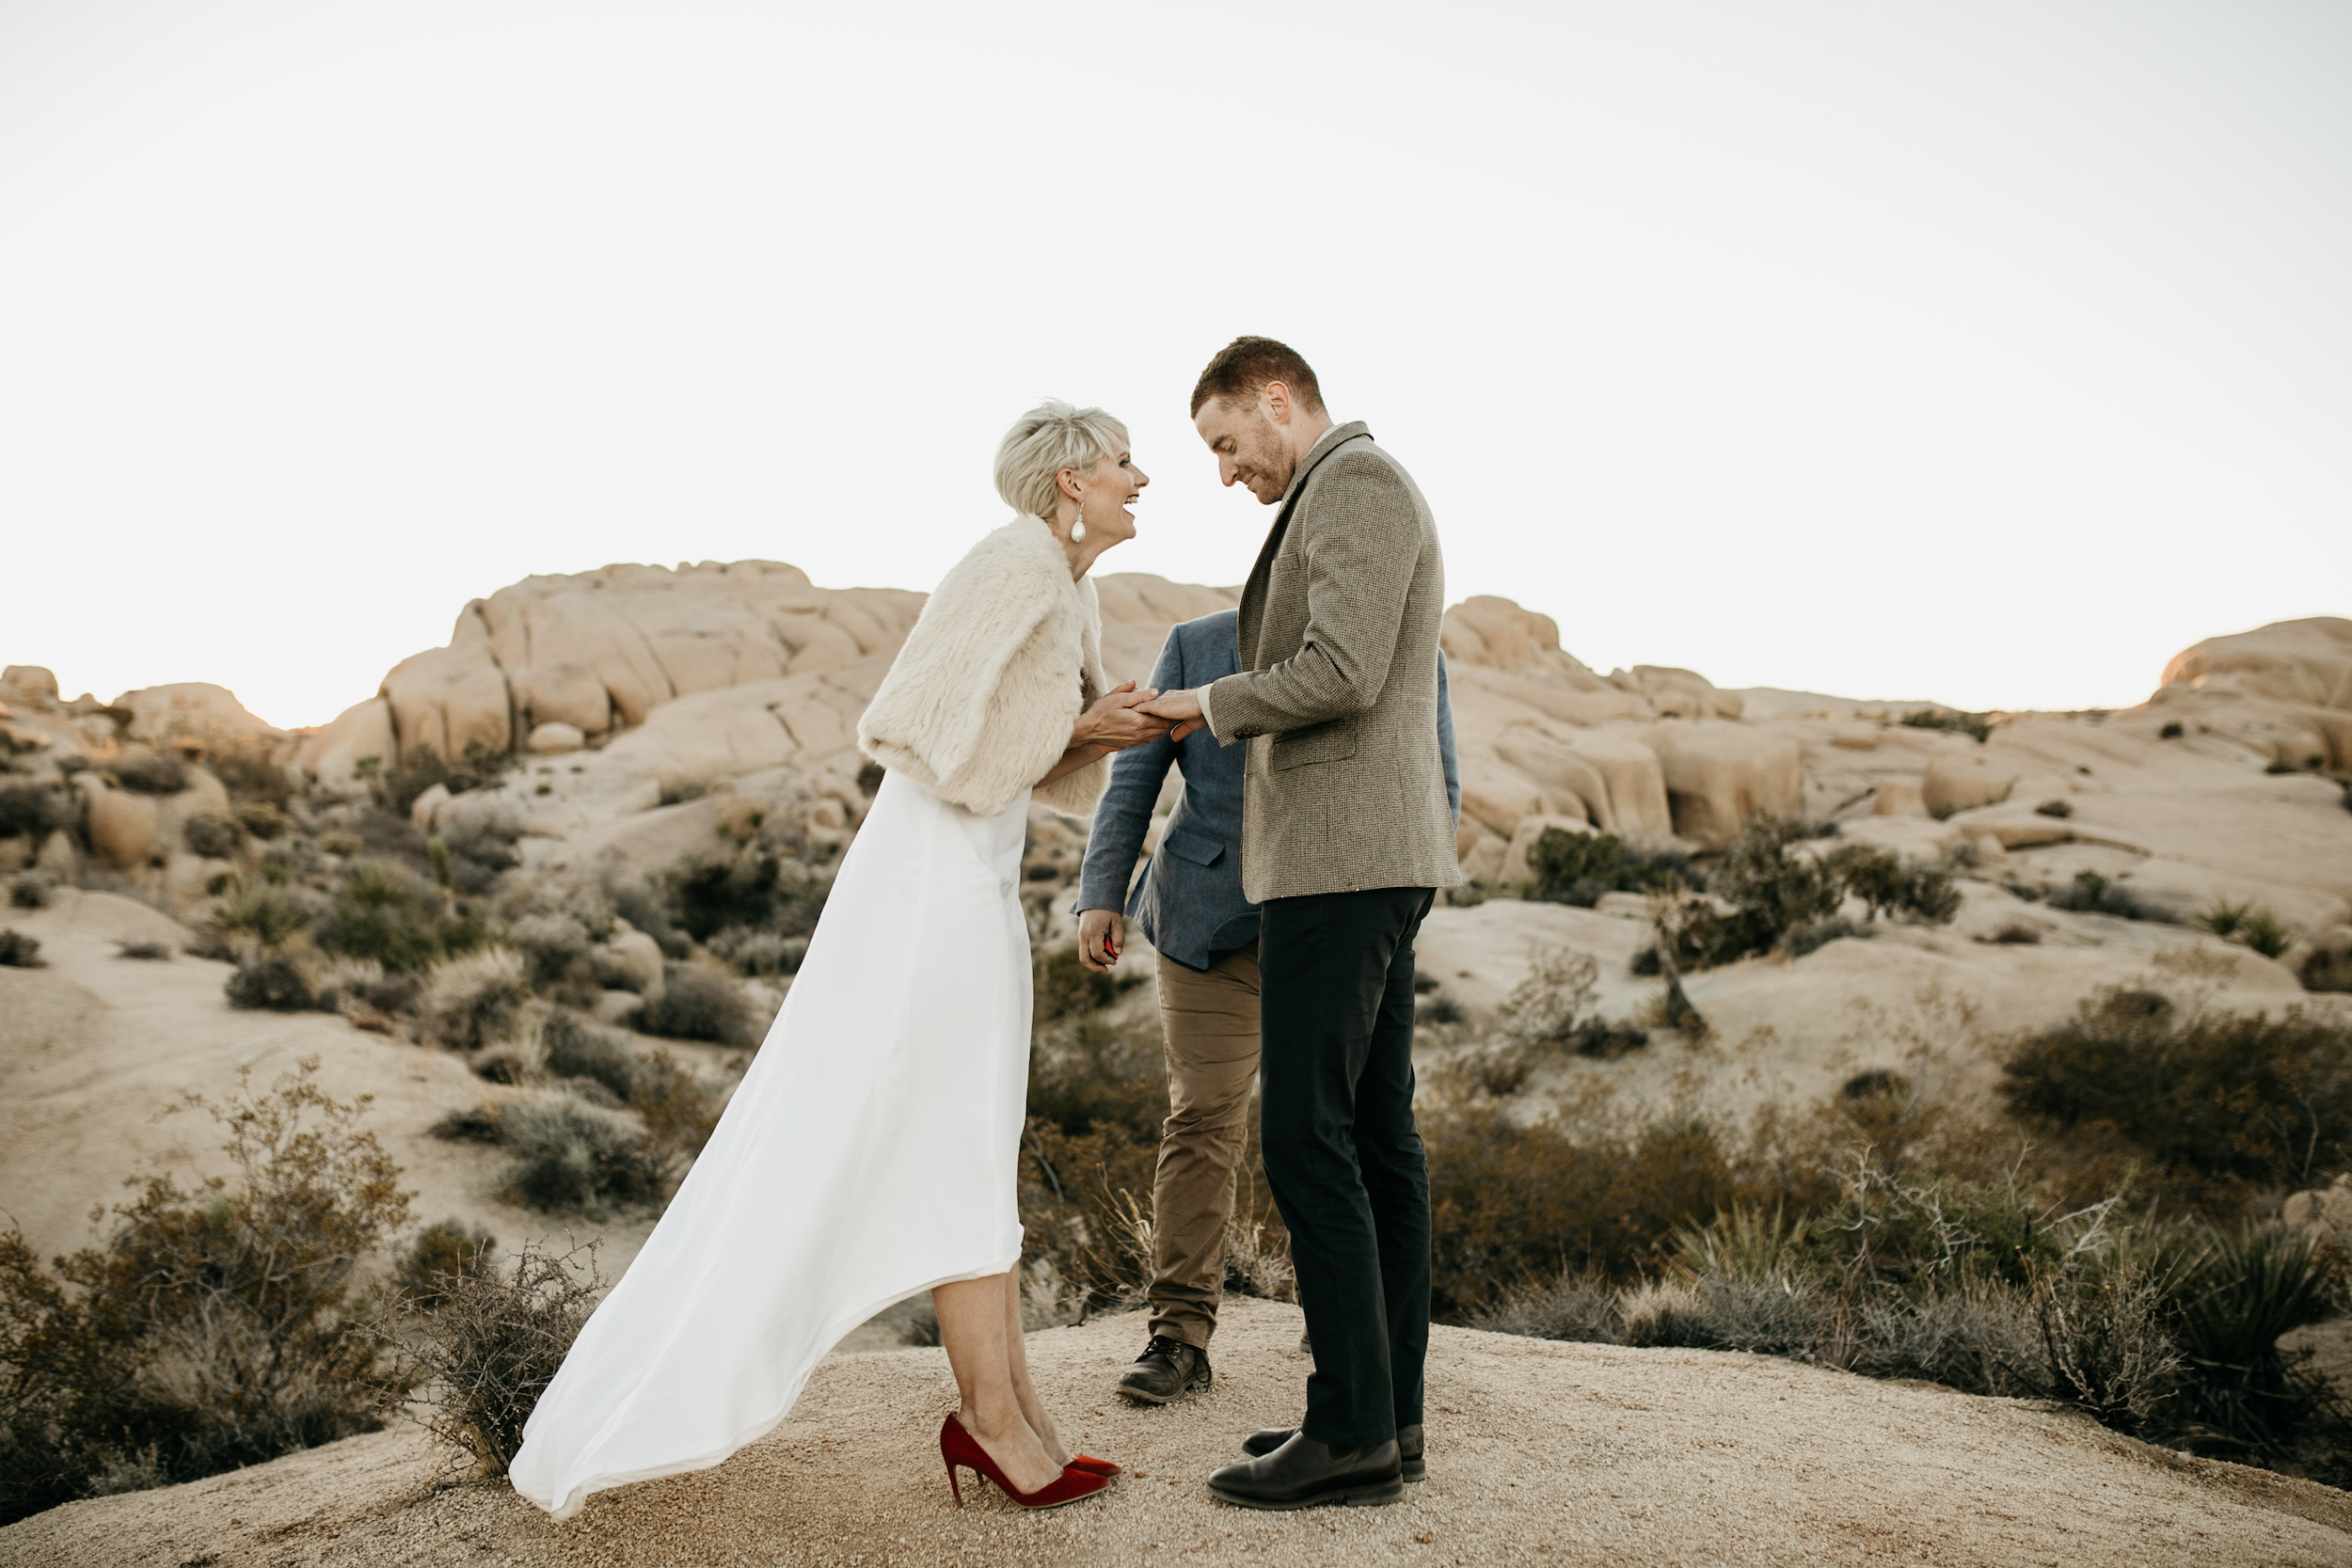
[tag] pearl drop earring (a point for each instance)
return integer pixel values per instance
(1078, 524)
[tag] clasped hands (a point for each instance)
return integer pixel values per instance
(1128, 716)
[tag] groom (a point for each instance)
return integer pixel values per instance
(1346, 834)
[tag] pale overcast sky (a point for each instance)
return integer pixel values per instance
(1984, 352)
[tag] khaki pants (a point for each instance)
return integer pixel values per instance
(1211, 1023)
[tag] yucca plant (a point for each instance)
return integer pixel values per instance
(2229, 1296)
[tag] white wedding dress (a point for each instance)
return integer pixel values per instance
(869, 1154)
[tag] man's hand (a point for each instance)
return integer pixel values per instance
(1119, 720)
(1101, 934)
(1180, 708)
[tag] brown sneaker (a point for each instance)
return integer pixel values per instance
(1168, 1370)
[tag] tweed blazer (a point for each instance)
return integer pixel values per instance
(1189, 904)
(981, 699)
(1344, 789)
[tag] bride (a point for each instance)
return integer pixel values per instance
(870, 1152)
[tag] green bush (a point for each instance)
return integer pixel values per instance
(148, 772)
(2228, 1296)
(262, 916)
(386, 913)
(1979, 725)
(33, 810)
(2218, 1104)
(1566, 868)
(1885, 882)
(275, 983)
(420, 768)
(2266, 934)
(696, 1004)
(219, 1325)
(2092, 894)
(565, 1154)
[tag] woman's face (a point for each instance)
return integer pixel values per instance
(1111, 490)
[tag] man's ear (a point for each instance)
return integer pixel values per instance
(1276, 400)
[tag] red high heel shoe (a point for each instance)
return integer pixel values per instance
(957, 1448)
(1094, 1466)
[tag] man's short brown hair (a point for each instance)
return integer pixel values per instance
(1246, 364)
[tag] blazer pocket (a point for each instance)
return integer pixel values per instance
(1196, 848)
(1329, 742)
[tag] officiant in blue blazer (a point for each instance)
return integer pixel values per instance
(1188, 905)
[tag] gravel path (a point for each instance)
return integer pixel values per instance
(1538, 1453)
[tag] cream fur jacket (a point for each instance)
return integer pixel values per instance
(1006, 656)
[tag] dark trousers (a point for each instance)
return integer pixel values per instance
(1342, 1153)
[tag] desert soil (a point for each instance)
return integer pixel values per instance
(1538, 1452)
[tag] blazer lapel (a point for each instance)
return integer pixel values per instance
(1254, 591)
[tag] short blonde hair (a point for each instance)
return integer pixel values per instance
(1042, 442)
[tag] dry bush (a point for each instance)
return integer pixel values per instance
(254, 917)
(28, 890)
(488, 1344)
(219, 1325)
(554, 946)
(19, 951)
(444, 1254)
(760, 952)
(213, 837)
(696, 1004)
(1573, 1304)
(385, 912)
(2092, 894)
(276, 983)
(150, 773)
(565, 1154)
(473, 1001)
(150, 950)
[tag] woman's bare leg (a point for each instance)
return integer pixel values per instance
(972, 1327)
(1017, 1363)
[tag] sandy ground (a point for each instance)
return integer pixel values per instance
(1538, 1453)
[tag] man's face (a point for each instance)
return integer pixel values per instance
(1250, 448)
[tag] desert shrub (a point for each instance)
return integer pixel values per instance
(1979, 726)
(2092, 894)
(1064, 987)
(1761, 873)
(1814, 935)
(29, 890)
(552, 946)
(2227, 1298)
(442, 1256)
(472, 1001)
(219, 1325)
(696, 1004)
(1566, 868)
(2218, 1102)
(420, 768)
(19, 951)
(33, 810)
(486, 1346)
(387, 912)
(642, 905)
(2172, 731)
(2059, 809)
(760, 952)
(150, 773)
(477, 1124)
(2266, 934)
(2225, 917)
(574, 1049)
(478, 846)
(1576, 1304)
(1980, 1336)
(2105, 1346)
(565, 1154)
(262, 916)
(1888, 885)
(1791, 1318)
(263, 820)
(252, 778)
(272, 982)
(2019, 933)
(151, 951)
(2326, 969)
(213, 837)
(1510, 1201)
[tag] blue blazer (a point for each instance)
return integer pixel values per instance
(1189, 904)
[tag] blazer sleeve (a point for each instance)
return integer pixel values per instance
(1123, 818)
(1360, 546)
(1445, 747)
